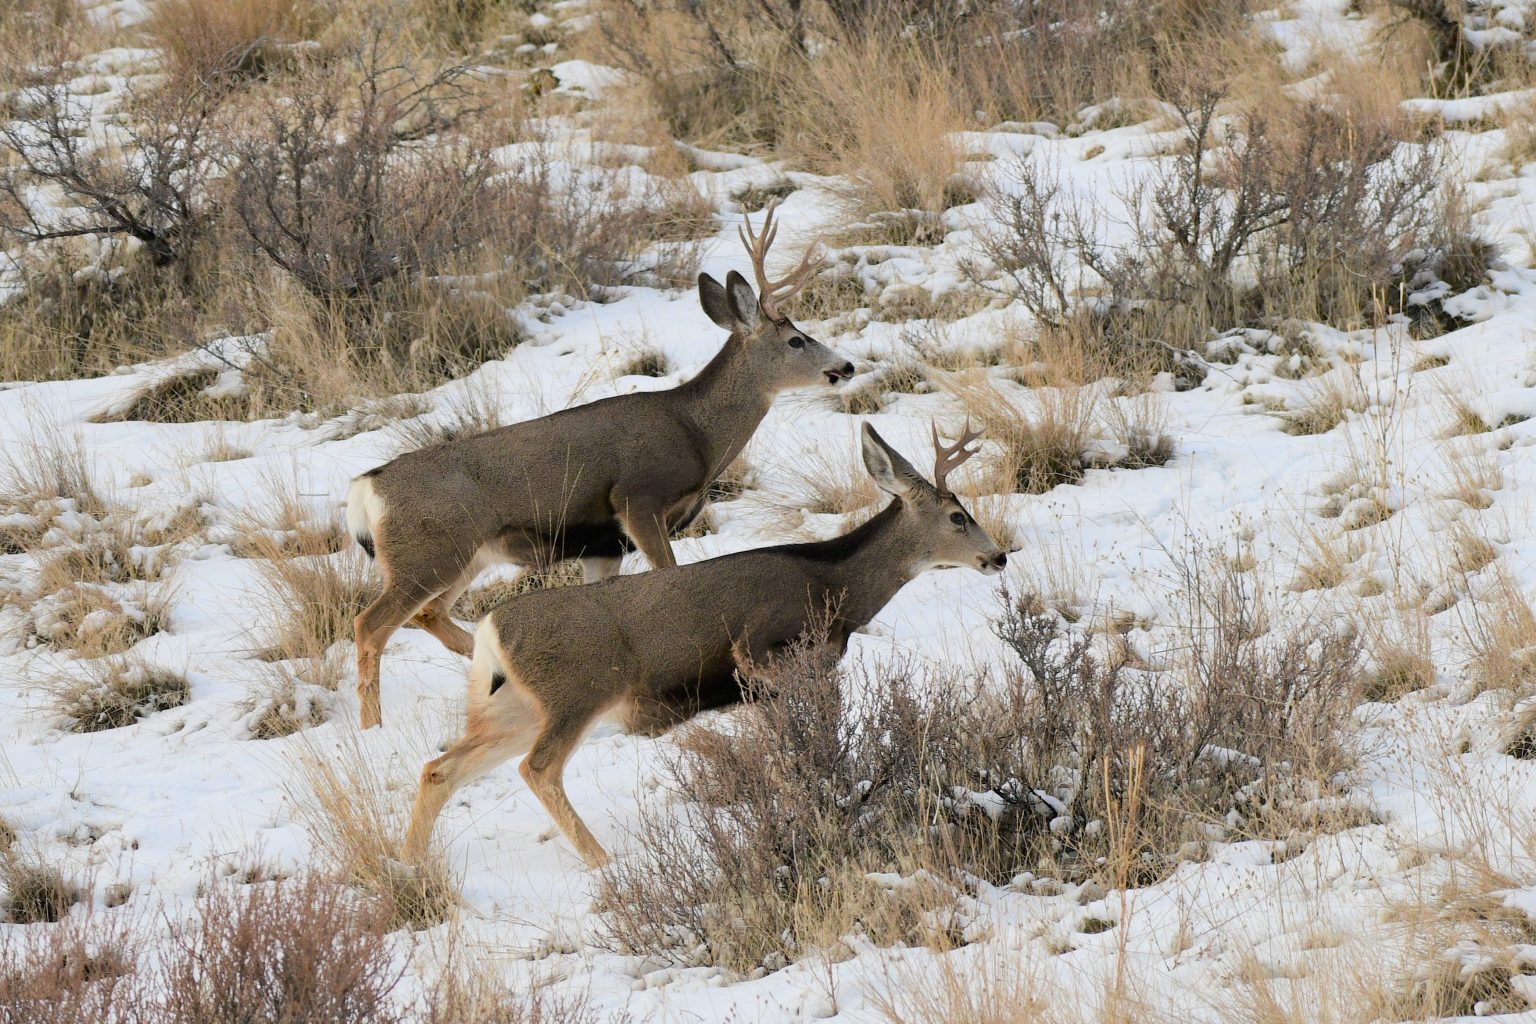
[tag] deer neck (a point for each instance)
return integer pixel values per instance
(872, 563)
(726, 402)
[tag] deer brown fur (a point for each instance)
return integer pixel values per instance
(590, 482)
(658, 648)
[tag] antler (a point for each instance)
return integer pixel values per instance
(771, 293)
(946, 459)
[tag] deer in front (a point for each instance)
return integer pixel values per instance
(656, 649)
(589, 483)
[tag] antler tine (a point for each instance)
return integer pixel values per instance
(947, 457)
(771, 292)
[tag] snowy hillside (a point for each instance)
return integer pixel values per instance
(1258, 497)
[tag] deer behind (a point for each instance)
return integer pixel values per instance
(590, 482)
(658, 648)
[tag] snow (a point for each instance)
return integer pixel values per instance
(156, 807)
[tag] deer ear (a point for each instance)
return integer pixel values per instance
(891, 473)
(716, 306)
(743, 302)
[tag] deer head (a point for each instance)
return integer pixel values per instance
(784, 353)
(943, 531)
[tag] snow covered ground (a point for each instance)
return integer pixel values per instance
(148, 812)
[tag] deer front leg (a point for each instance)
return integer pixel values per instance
(544, 771)
(648, 529)
(372, 630)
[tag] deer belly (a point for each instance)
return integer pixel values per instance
(570, 540)
(653, 710)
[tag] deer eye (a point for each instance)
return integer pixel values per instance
(958, 518)
(797, 342)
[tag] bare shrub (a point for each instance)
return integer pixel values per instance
(76, 971)
(1075, 764)
(110, 693)
(35, 892)
(157, 196)
(351, 814)
(1312, 211)
(791, 821)
(304, 948)
(328, 189)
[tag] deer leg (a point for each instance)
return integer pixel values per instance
(435, 617)
(468, 759)
(649, 532)
(544, 770)
(596, 568)
(372, 630)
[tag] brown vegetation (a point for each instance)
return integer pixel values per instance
(818, 815)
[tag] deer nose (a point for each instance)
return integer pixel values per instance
(997, 561)
(836, 374)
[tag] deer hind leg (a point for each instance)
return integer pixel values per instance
(468, 759)
(372, 629)
(544, 771)
(435, 616)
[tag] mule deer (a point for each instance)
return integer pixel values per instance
(658, 648)
(589, 482)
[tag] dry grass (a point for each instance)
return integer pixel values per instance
(91, 622)
(182, 397)
(1474, 473)
(470, 992)
(294, 695)
(645, 362)
(51, 465)
(478, 602)
(470, 410)
(882, 113)
(827, 480)
(207, 40)
(114, 692)
(1399, 667)
(1501, 633)
(1069, 431)
(310, 600)
(1042, 451)
(35, 892)
(1323, 403)
(115, 550)
(288, 527)
(352, 814)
